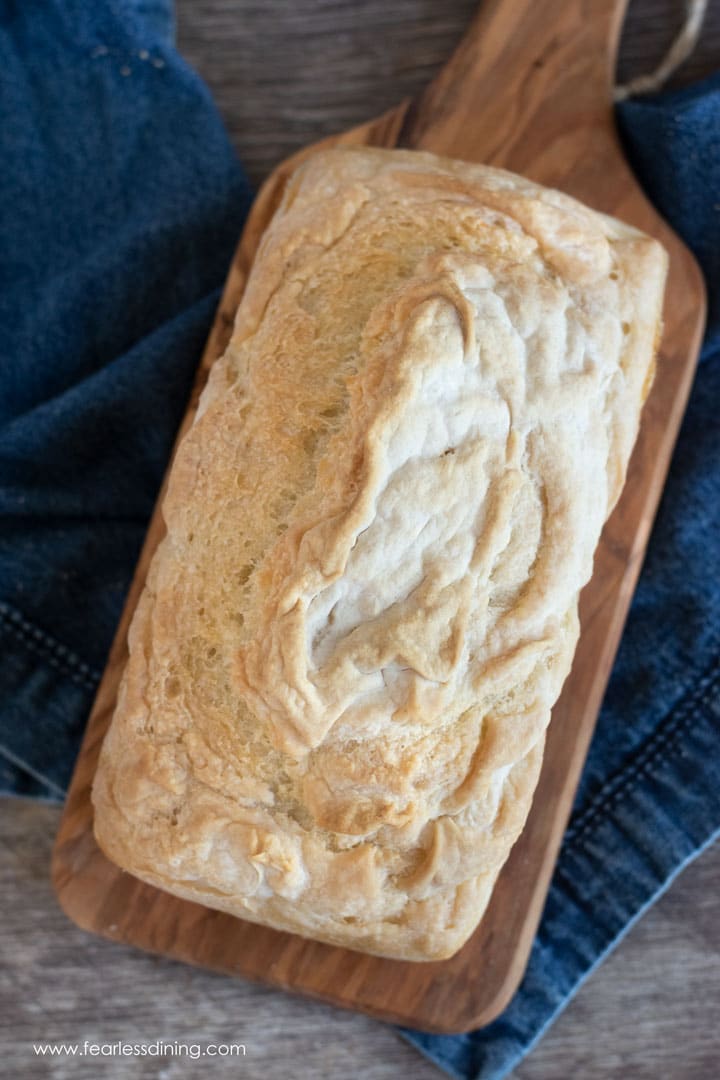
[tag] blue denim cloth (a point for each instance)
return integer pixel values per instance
(120, 205)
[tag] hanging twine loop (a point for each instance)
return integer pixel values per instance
(679, 51)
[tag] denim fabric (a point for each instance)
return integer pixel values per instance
(120, 205)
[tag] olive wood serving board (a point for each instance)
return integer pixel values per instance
(527, 89)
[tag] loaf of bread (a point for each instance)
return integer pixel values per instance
(345, 657)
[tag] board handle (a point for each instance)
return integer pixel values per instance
(529, 77)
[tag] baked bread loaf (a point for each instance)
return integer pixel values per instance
(344, 660)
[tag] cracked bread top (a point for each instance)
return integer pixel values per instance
(351, 638)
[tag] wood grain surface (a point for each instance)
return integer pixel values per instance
(543, 72)
(261, 63)
(288, 72)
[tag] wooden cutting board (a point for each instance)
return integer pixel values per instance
(528, 89)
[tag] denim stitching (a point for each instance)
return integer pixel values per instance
(20, 763)
(662, 740)
(41, 643)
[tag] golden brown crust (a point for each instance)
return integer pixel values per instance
(344, 661)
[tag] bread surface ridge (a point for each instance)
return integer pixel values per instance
(345, 657)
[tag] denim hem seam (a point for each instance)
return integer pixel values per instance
(20, 763)
(655, 750)
(39, 642)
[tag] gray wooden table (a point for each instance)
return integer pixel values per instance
(285, 72)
